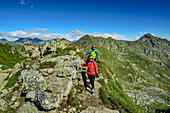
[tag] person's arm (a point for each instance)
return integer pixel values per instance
(83, 64)
(87, 52)
(97, 54)
(96, 68)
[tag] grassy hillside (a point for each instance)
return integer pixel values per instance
(142, 79)
(112, 92)
(153, 48)
(9, 56)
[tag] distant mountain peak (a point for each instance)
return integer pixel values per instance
(28, 39)
(3, 39)
(150, 37)
(147, 36)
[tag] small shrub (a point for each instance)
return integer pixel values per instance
(4, 67)
(77, 102)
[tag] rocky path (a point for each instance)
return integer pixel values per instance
(95, 100)
(85, 95)
(92, 100)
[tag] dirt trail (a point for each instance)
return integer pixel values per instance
(92, 100)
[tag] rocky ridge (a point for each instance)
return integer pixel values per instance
(47, 84)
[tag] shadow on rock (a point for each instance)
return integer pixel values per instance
(84, 77)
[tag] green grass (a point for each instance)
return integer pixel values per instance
(11, 82)
(4, 67)
(9, 58)
(81, 54)
(113, 94)
(77, 102)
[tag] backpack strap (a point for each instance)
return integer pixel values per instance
(95, 50)
(93, 62)
(91, 50)
(87, 62)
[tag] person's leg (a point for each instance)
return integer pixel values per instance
(90, 77)
(92, 81)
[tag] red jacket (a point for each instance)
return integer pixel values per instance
(92, 67)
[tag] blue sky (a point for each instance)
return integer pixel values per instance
(121, 19)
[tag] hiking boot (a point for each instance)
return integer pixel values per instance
(92, 92)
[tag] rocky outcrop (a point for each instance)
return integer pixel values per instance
(17, 67)
(32, 81)
(46, 72)
(52, 46)
(3, 93)
(36, 53)
(29, 50)
(2, 78)
(47, 87)
(3, 105)
(56, 89)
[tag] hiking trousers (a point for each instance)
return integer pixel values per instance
(92, 78)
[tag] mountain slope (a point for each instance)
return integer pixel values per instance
(3, 41)
(9, 55)
(154, 48)
(145, 81)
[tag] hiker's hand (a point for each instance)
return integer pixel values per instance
(97, 75)
(84, 53)
(98, 57)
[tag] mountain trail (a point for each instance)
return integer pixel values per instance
(90, 100)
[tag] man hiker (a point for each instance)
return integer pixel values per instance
(93, 51)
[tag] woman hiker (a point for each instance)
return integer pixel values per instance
(92, 71)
